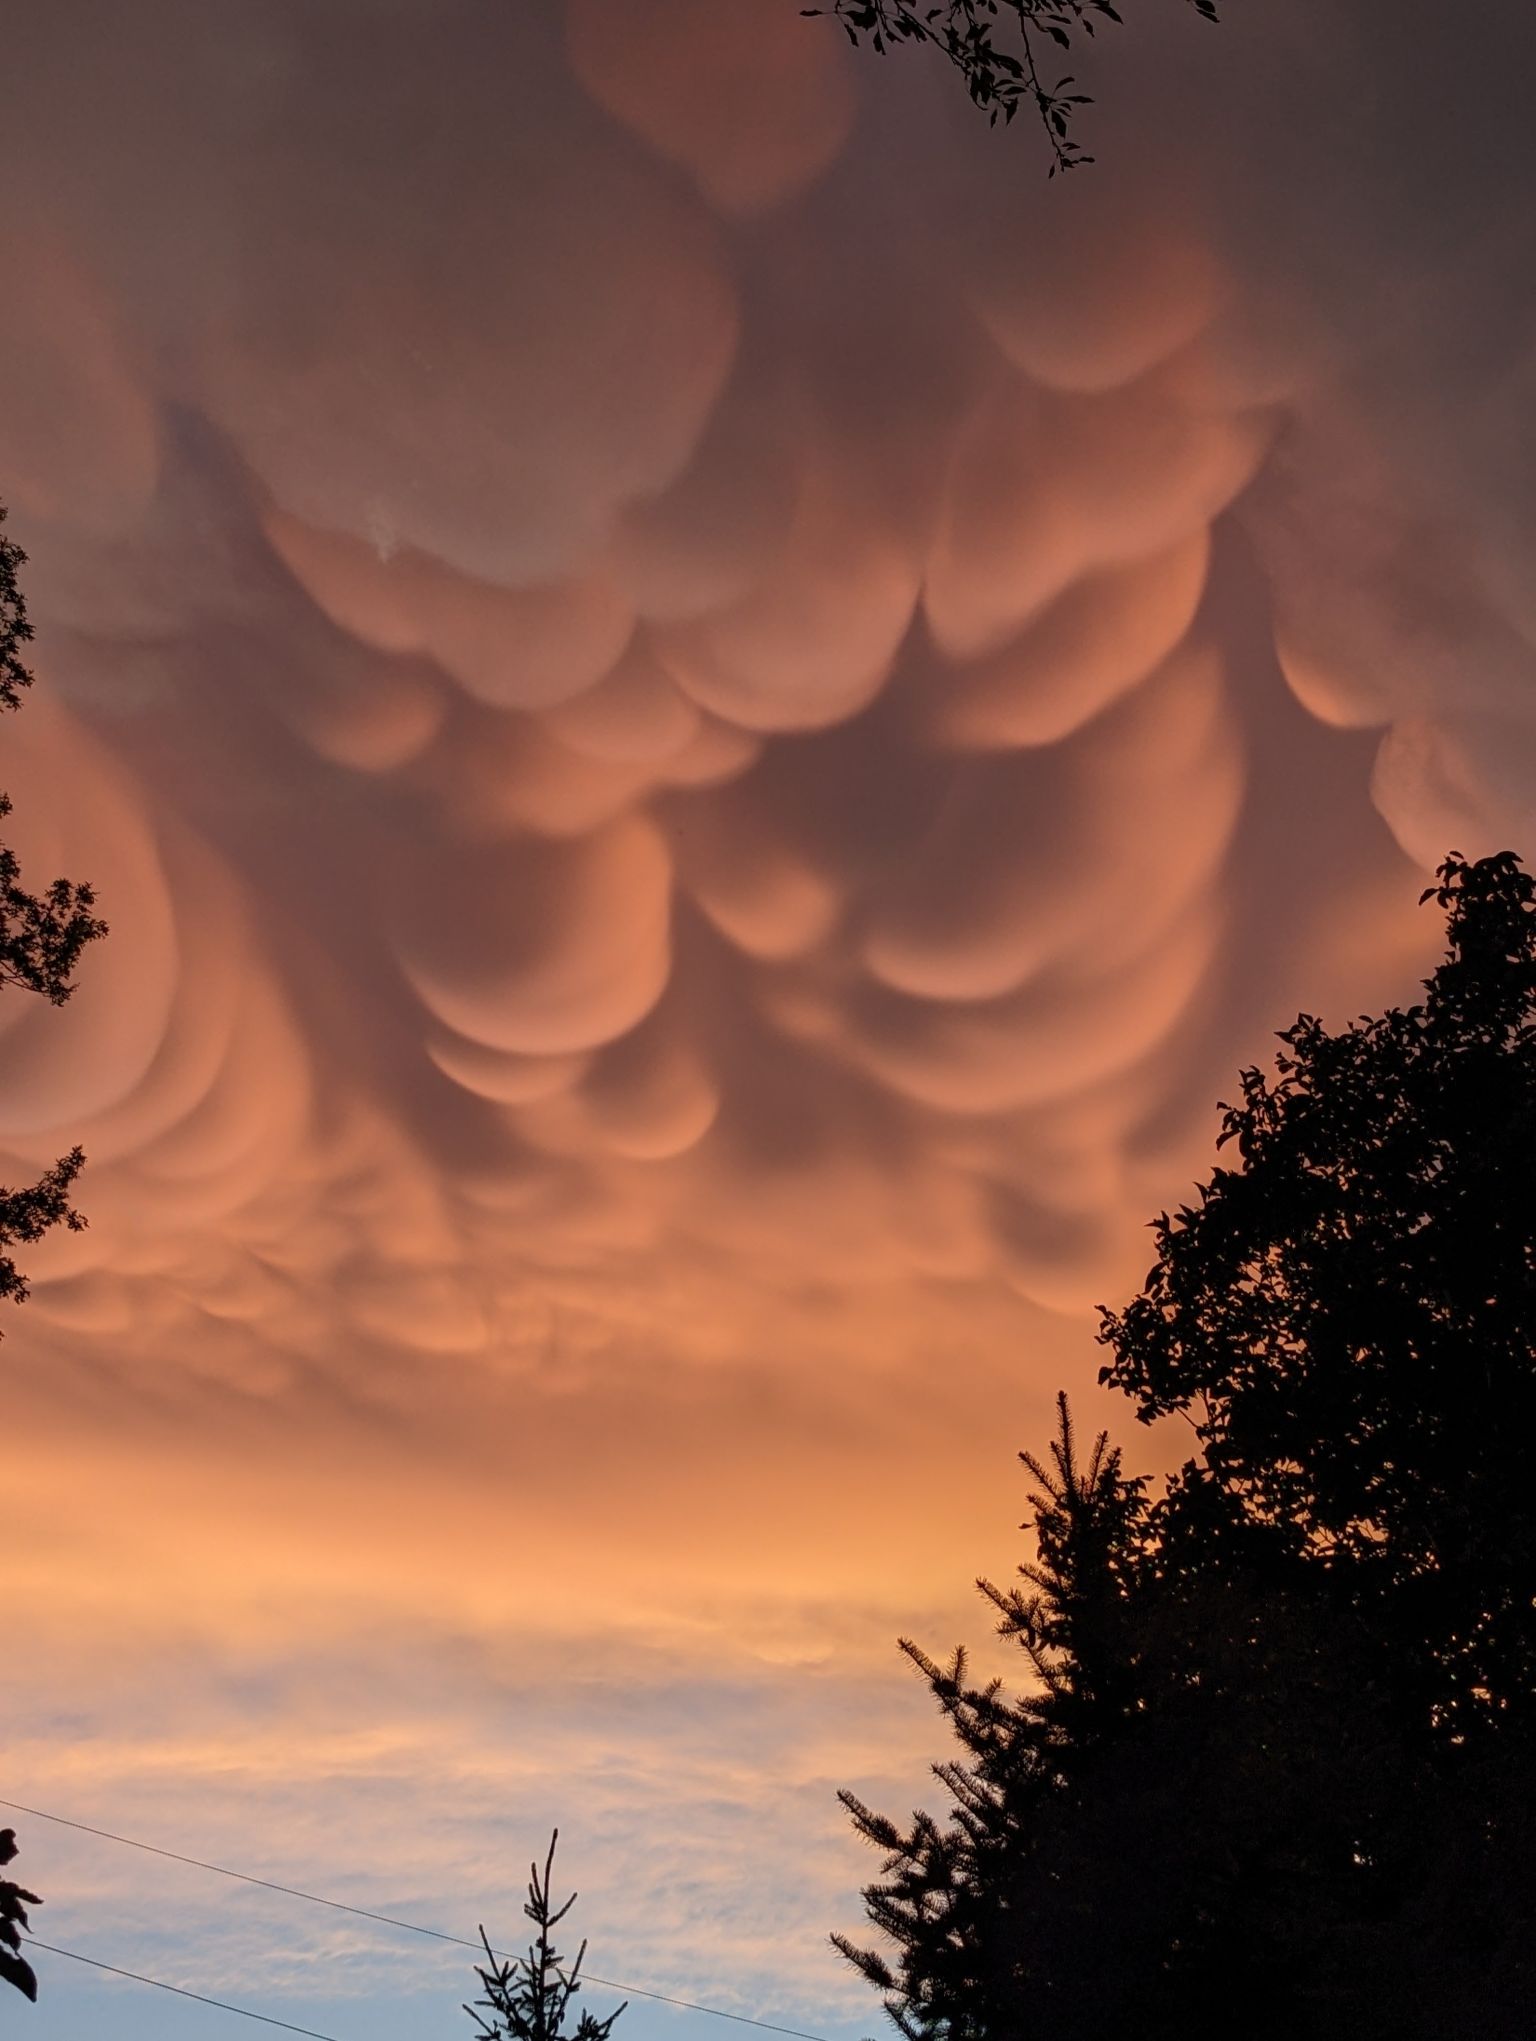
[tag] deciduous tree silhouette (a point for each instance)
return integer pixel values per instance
(14, 1901)
(998, 48)
(41, 940)
(527, 1998)
(1292, 1795)
(1348, 1318)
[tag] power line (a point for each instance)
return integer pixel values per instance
(387, 1920)
(181, 1991)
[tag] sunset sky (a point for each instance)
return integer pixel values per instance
(709, 717)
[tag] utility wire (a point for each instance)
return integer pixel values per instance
(388, 1920)
(181, 1991)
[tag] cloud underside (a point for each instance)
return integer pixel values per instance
(708, 719)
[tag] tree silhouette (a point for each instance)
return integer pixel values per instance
(949, 1897)
(41, 940)
(1349, 1318)
(14, 1901)
(996, 46)
(1274, 1774)
(527, 1998)
(42, 937)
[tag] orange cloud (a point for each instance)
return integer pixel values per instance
(707, 725)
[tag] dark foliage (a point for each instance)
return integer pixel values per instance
(1349, 1317)
(14, 1901)
(527, 1998)
(42, 937)
(950, 1897)
(14, 627)
(41, 940)
(997, 47)
(1140, 1838)
(26, 1215)
(1275, 1770)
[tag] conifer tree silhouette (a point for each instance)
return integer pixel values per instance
(527, 1998)
(948, 1896)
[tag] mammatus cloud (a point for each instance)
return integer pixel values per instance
(708, 719)
(756, 749)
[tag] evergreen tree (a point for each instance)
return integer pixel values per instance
(952, 1898)
(527, 1997)
(1141, 1837)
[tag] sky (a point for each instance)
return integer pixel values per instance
(709, 716)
